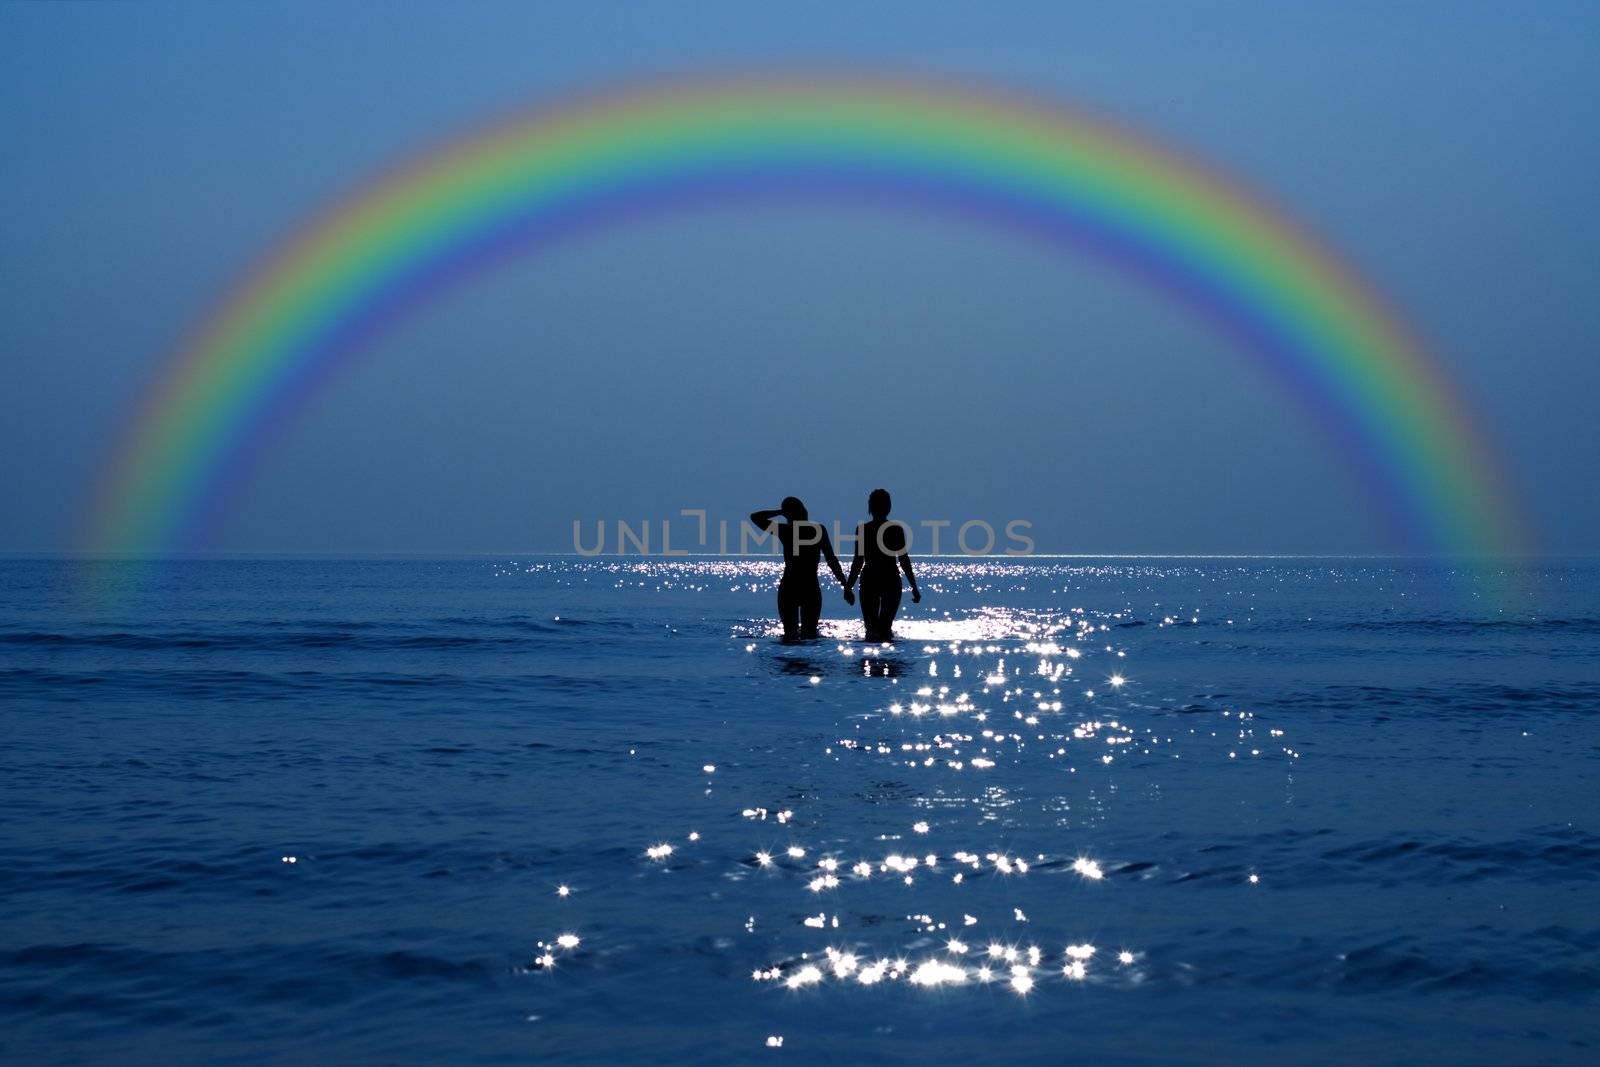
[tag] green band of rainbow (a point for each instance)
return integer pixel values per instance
(312, 298)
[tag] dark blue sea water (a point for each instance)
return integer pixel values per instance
(274, 811)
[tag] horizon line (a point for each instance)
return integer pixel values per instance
(242, 554)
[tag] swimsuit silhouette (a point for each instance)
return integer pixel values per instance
(804, 542)
(880, 546)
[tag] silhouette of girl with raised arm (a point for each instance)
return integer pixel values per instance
(881, 553)
(803, 541)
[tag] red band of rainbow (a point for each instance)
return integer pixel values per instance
(1285, 298)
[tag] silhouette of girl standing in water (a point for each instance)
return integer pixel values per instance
(880, 545)
(803, 541)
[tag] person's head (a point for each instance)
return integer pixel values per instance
(878, 503)
(793, 510)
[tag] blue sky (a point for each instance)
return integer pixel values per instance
(151, 151)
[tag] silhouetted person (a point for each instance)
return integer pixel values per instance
(881, 554)
(803, 541)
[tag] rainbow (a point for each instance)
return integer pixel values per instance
(1050, 172)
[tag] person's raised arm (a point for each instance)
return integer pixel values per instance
(763, 520)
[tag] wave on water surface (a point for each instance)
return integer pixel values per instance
(592, 810)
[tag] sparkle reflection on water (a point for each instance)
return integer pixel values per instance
(592, 810)
(1008, 666)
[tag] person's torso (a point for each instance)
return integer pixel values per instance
(882, 544)
(801, 554)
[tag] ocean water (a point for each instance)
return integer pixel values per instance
(1120, 810)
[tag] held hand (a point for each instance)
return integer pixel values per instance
(849, 596)
(916, 595)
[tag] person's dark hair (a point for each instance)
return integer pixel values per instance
(792, 509)
(878, 503)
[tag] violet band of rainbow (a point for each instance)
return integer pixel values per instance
(1284, 298)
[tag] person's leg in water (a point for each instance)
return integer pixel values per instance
(880, 602)
(810, 603)
(888, 608)
(869, 611)
(789, 610)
